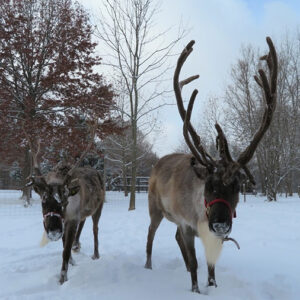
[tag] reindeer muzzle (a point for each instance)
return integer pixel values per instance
(220, 228)
(54, 231)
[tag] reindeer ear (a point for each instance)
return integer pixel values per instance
(199, 169)
(39, 188)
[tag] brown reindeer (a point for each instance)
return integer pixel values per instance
(69, 195)
(196, 192)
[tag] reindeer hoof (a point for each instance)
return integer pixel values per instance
(76, 247)
(148, 266)
(195, 289)
(96, 256)
(212, 282)
(63, 277)
(72, 261)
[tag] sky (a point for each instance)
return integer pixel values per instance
(220, 28)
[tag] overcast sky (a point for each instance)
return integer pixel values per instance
(220, 28)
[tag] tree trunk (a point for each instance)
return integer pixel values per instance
(124, 174)
(261, 173)
(271, 187)
(289, 185)
(26, 172)
(132, 189)
(133, 169)
(271, 195)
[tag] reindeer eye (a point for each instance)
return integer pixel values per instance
(74, 191)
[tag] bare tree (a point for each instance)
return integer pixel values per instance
(139, 53)
(118, 155)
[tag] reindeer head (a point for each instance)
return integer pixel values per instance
(55, 188)
(52, 209)
(222, 177)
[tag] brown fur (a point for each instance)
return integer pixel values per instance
(91, 203)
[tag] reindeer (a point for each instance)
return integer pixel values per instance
(196, 192)
(69, 195)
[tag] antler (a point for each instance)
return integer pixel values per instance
(196, 148)
(36, 165)
(222, 145)
(269, 88)
(93, 129)
(34, 154)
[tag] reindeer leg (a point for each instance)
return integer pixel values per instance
(188, 236)
(212, 246)
(69, 235)
(71, 260)
(211, 275)
(151, 233)
(96, 217)
(156, 217)
(181, 245)
(76, 245)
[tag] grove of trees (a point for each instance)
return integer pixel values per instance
(52, 87)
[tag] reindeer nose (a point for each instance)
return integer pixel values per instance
(54, 235)
(221, 228)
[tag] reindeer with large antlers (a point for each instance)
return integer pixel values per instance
(196, 192)
(69, 195)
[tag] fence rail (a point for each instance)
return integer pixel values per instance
(117, 184)
(11, 203)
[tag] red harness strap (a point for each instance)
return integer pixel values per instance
(52, 214)
(208, 205)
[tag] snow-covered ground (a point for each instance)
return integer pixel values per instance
(266, 267)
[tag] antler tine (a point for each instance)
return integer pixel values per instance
(93, 132)
(273, 66)
(178, 85)
(249, 175)
(223, 144)
(197, 149)
(206, 160)
(34, 154)
(269, 88)
(186, 123)
(182, 83)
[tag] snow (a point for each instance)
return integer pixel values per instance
(266, 267)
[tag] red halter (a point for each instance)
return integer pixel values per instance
(208, 205)
(52, 214)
